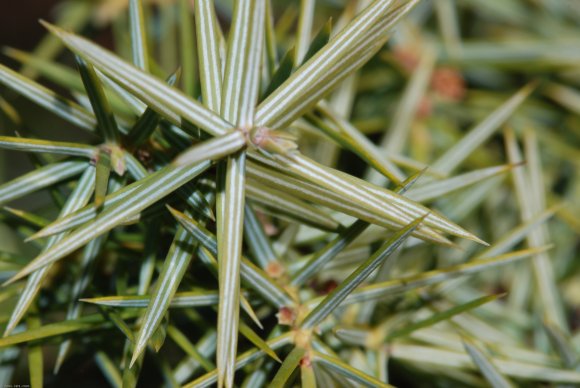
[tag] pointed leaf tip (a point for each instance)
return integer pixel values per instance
(50, 27)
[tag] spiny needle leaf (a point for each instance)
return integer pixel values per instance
(167, 101)
(529, 204)
(149, 192)
(285, 205)
(86, 214)
(319, 41)
(493, 376)
(109, 369)
(326, 254)
(436, 276)
(103, 172)
(514, 236)
(388, 204)
(350, 137)
(48, 146)
(188, 51)
(518, 369)
(229, 239)
(291, 96)
(139, 47)
(212, 149)
(103, 113)
(40, 178)
(190, 349)
(87, 264)
(89, 322)
(31, 218)
(256, 238)
(562, 343)
(437, 189)
(244, 359)
(209, 57)
(60, 106)
(240, 86)
(480, 133)
(304, 32)
(313, 192)
(180, 299)
(441, 316)
(176, 263)
(337, 296)
(288, 366)
(35, 357)
(347, 370)
(147, 123)
(239, 96)
(254, 338)
(282, 72)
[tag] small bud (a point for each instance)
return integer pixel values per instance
(274, 269)
(448, 83)
(286, 316)
(267, 140)
(118, 161)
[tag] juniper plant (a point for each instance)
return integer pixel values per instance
(214, 188)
